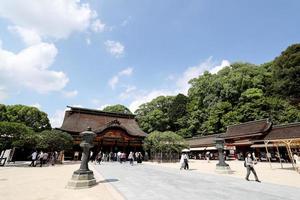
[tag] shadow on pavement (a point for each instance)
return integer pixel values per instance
(108, 180)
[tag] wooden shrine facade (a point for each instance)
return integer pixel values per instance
(114, 131)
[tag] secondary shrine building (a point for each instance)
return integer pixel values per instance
(114, 131)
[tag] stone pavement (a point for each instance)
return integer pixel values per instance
(145, 182)
(48, 183)
(286, 176)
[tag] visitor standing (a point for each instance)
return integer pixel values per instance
(130, 158)
(249, 164)
(297, 162)
(33, 158)
(52, 158)
(40, 157)
(181, 161)
(139, 158)
(119, 156)
(207, 155)
(45, 158)
(99, 157)
(186, 161)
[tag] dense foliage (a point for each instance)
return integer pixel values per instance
(165, 142)
(11, 132)
(238, 93)
(29, 116)
(117, 109)
(28, 127)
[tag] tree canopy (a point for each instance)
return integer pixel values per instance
(11, 132)
(238, 93)
(27, 115)
(117, 109)
(166, 142)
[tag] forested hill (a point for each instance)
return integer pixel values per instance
(238, 93)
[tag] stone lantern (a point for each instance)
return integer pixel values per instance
(221, 166)
(84, 177)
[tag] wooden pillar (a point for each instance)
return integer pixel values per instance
(288, 147)
(279, 155)
(266, 145)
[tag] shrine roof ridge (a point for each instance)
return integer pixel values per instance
(99, 112)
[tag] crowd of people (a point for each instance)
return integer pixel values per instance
(43, 158)
(120, 157)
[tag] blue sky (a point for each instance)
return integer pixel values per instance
(95, 53)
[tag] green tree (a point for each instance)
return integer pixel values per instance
(117, 109)
(29, 116)
(178, 112)
(286, 72)
(155, 114)
(164, 143)
(54, 140)
(11, 132)
(3, 114)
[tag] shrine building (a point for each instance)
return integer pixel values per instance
(114, 131)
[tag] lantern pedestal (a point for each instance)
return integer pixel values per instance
(222, 167)
(84, 177)
(82, 180)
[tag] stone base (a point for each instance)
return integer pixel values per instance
(223, 169)
(82, 180)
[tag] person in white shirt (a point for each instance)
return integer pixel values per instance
(249, 164)
(33, 159)
(40, 157)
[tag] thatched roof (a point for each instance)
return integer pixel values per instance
(203, 141)
(248, 129)
(78, 119)
(284, 132)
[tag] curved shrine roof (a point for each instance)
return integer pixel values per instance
(77, 120)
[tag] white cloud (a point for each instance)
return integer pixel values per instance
(144, 97)
(126, 21)
(88, 41)
(182, 84)
(3, 93)
(29, 37)
(128, 92)
(36, 105)
(114, 48)
(48, 18)
(104, 106)
(29, 68)
(57, 119)
(195, 71)
(223, 64)
(77, 105)
(97, 26)
(115, 79)
(70, 94)
(126, 72)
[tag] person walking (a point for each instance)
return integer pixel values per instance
(297, 162)
(40, 157)
(119, 156)
(99, 157)
(33, 159)
(139, 158)
(181, 161)
(207, 155)
(249, 164)
(186, 162)
(52, 158)
(130, 158)
(45, 158)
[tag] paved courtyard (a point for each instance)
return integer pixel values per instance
(144, 182)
